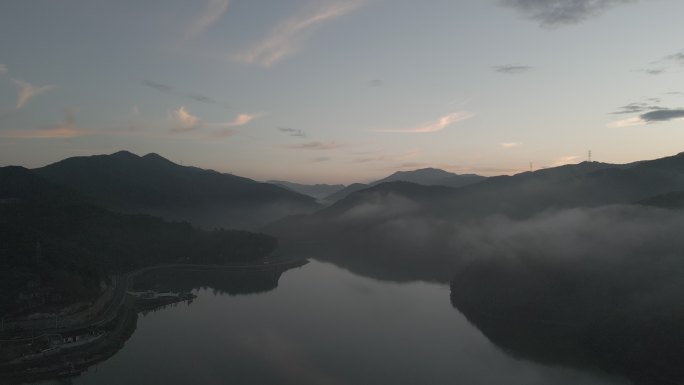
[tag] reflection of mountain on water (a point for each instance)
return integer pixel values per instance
(222, 282)
(38, 359)
(621, 320)
(379, 261)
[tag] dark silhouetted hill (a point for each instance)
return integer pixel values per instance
(410, 228)
(48, 234)
(154, 185)
(586, 184)
(380, 195)
(432, 177)
(425, 177)
(671, 200)
(619, 314)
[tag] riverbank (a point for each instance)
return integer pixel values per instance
(32, 356)
(107, 306)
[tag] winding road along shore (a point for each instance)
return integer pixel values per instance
(32, 329)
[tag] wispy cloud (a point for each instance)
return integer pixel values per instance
(320, 159)
(654, 116)
(677, 58)
(169, 90)
(510, 144)
(662, 115)
(288, 37)
(433, 126)
(28, 91)
(636, 107)
(212, 11)
(40, 133)
(628, 122)
(512, 69)
(316, 146)
(664, 64)
(376, 83)
(654, 71)
(554, 13)
(569, 159)
(292, 132)
(64, 129)
(184, 120)
(240, 120)
(163, 88)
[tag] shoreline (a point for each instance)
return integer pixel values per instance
(116, 327)
(26, 330)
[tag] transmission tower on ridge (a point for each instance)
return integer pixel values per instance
(589, 156)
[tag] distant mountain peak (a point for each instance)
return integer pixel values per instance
(425, 170)
(124, 154)
(156, 158)
(154, 185)
(431, 176)
(148, 158)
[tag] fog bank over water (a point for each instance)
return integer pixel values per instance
(593, 288)
(397, 234)
(577, 235)
(600, 288)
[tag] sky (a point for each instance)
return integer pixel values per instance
(343, 91)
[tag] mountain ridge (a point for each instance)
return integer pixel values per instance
(49, 234)
(318, 191)
(154, 185)
(429, 176)
(520, 196)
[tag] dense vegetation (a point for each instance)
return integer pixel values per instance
(49, 235)
(671, 200)
(124, 179)
(154, 185)
(221, 282)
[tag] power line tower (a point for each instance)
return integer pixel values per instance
(589, 158)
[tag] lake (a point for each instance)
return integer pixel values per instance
(321, 325)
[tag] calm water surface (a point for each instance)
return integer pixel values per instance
(322, 325)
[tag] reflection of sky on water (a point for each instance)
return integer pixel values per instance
(321, 326)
